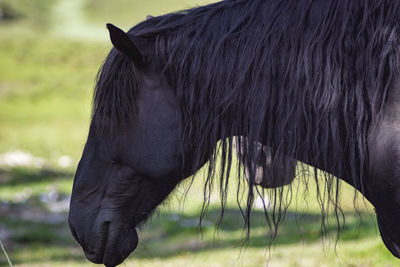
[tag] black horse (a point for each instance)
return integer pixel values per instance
(310, 80)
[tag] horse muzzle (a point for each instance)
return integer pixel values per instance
(108, 243)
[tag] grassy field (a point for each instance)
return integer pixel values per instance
(49, 57)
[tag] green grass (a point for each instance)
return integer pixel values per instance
(37, 12)
(172, 237)
(18, 181)
(127, 13)
(45, 93)
(46, 80)
(5, 254)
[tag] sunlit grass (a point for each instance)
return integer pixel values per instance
(45, 94)
(127, 13)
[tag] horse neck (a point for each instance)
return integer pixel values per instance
(344, 171)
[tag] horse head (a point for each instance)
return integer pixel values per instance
(123, 175)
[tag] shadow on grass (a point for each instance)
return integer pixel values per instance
(31, 232)
(166, 235)
(33, 242)
(28, 176)
(171, 234)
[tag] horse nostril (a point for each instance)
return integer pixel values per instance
(104, 238)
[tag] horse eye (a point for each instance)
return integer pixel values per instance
(115, 161)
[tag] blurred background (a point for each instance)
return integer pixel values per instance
(50, 51)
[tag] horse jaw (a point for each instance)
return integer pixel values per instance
(387, 237)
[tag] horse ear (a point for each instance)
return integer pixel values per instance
(124, 44)
(149, 17)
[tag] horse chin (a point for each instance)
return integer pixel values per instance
(387, 237)
(115, 248)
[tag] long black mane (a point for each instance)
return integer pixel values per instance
(306, 78)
